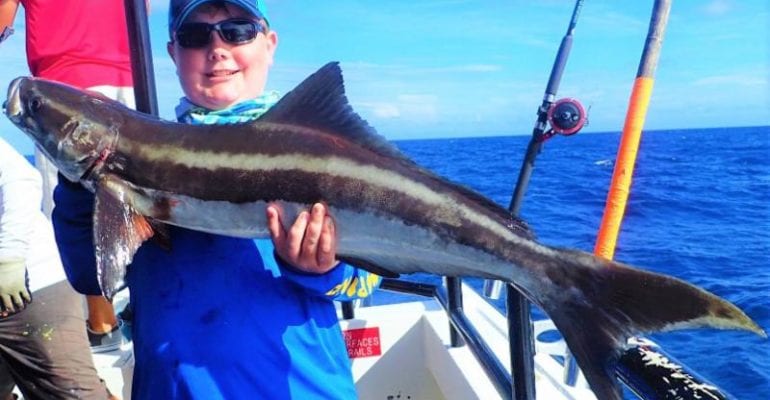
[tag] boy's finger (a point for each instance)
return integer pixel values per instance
(296, 235)
(313, 232)
(275, 227)
(331, 225)
(326, 243)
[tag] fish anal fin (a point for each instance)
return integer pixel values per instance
(119, 231)
(598, 304)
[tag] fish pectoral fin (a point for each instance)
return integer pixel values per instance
(373, 268)
(119, 231)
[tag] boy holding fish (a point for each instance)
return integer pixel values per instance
(394, 217)
(225, 317)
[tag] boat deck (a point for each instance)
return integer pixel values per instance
(417, 360)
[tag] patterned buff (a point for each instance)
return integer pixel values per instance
(248, 110)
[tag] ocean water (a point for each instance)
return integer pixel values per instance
(699, 209)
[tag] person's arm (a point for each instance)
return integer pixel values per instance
(73, 226)
(8, 9)
(20, 196)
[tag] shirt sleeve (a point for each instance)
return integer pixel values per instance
(20, 196)
(343, 282)
(73, 226)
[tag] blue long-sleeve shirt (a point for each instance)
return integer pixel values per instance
(220, 317)
(216, 319)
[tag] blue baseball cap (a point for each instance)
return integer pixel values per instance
(179, 10)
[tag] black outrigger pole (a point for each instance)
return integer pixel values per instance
(141, 56)
(519, 320)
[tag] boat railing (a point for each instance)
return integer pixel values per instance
(644, 367)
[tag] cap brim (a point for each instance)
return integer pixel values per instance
(185, 13)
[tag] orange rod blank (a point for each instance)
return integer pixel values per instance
(624, 168)
(632, 133)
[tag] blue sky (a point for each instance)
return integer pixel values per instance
(449, 68)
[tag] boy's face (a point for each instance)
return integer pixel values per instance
(222, 74)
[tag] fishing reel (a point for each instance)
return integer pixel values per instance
(566, 117)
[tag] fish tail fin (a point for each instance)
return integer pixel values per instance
(598, 304)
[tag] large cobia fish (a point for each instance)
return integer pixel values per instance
(392, 216)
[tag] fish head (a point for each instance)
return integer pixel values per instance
(68, 125)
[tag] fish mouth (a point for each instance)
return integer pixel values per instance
(13, 109)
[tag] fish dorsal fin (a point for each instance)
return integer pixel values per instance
(319, 102)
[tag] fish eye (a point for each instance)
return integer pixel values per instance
(35, 104)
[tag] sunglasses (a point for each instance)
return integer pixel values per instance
(195, 35)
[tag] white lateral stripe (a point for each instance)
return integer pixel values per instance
(335, 166)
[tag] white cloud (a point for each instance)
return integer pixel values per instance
(733, 79)
(367, 68)
(415, 108)
(718, 7)
(419, 106)
(381, 110)
(478, 68)
(616, 22)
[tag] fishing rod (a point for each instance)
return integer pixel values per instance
(564, 117)
(141, 56)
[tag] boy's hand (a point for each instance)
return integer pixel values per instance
(310, 245)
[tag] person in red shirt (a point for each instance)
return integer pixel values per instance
(82, 43)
